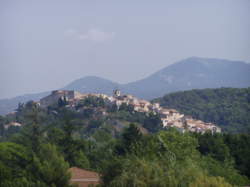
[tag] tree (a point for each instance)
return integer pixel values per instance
(14, 163)
(126, 107)
(169, 158)
(238, 145)
(214, 146)
(130, 137)
(206, 181)
(153, 122)
(50, 167)
(72, 149)
(33, 131)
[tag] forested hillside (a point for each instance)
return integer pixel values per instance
(229, 108)
(126, 148)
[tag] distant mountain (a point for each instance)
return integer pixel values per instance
(92, 84)
(9, 105)
(89, 84)
(191, 73)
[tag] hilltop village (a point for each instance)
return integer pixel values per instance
(169, 117)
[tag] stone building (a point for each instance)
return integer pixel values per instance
(57, 94)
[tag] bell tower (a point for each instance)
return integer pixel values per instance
(116, 93)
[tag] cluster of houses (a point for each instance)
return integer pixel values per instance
(169, 117)
(12, 124)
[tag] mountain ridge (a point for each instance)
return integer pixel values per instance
(187, 74)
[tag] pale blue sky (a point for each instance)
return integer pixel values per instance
(46, 44)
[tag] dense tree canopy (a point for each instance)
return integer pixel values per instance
(127, 148)
(227, 107)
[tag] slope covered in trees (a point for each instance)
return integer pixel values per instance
(132, 151)
(229, 108)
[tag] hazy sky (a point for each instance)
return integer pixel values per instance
(45, 44)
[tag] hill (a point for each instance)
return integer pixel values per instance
(92, 84)
(116, 142)
(89, 84)
(188, 74)
(93, 113)
(227, 107)
(192, 73)
(9, 105)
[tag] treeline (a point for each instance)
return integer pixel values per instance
(52, 141)
(227, 107)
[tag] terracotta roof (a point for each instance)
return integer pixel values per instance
(14, 124)
(84, 177)
(82, 173)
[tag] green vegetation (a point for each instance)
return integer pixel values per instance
(20, 166)
(229, 108)
(126, 147)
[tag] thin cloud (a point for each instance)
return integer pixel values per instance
(94, 35)
(70, 32)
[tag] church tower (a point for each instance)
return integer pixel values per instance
(117, 93)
